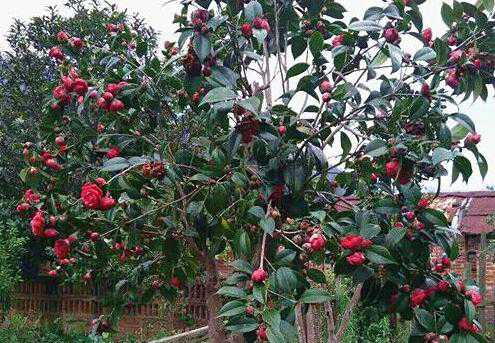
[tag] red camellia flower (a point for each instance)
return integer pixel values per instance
(31, 196)
(423, 203)
(317, 242)
(76, 42)
(247, 30)
(326, 87)
(452, 40)
(338, 40)
(391, 35)
(38, 224)
(62, 37)
(326, 97)
(100, 181)
(91, 195)
(80, 86)
(455, 56)
(356, 259)
(475, 297)
(443, 286)
(355, 242)
(259, 275)
(114, 152)
(23, 207)
(392, 168)
(418, 297)
(53, 164)
(175, 282)
(427, 35)
(50, 233)
(261, 333)
(452, 79)
(107, 202)
(60, 93)
(116, 105)
(257, 22)
(472, 139)
(56, 53)
(425, 90)
(465, 325)
(52, 273)
(61, 248)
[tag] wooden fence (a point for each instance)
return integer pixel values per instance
(48, 299)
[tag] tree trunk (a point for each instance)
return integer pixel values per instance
(216, 329)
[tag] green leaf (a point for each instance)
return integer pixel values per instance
(425, 319)
(365, 25)
(115, 164)
(369, 230)
(251, 104)
(447, 14)
(488, 4)
(245, 243)
(394, 236)
(315, 296)
(219, 94)
(441, 154)
(260, 35)
(267, 224)
(377, 147)
(232, 292)
(482, 164)
(298, 46)
(316, 43)
(242, 266)
(379, 255)
(462, 165)
(395, 56)
(442, 50)
(387, 206)
(469, 309)
(286, 279)
(425, 54)
(465, 121)
(244, 325)
(202, 47)
(297, 69)
(345, 144)
(252, 10)
(459, 132)
(232, 308)
(285, 257)
(316, 275)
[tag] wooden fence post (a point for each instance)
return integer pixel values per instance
(482, 278)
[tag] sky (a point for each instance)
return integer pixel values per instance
(159, 15)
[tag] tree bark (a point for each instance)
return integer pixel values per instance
(216, 329)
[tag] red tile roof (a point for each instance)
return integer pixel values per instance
(477, 206)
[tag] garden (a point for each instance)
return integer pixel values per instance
(278, 156)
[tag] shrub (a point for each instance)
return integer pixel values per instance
(151, 166)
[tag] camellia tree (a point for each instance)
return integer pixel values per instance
(151, 168)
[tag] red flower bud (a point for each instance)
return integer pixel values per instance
(113, 152)
(56, 53)
(391, 35)
(175, 282)
(62, 37)
(259, 275)
(427, 35)
(356, 259)
(116, 105)
(247, 30)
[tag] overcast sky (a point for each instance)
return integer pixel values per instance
(160, 16)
